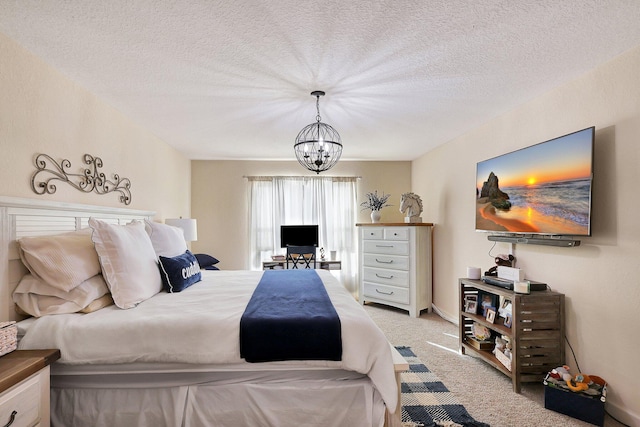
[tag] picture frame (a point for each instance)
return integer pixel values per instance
(508, 320)
(485, 301)
(505, 307)
(471, 306)
(491, 314)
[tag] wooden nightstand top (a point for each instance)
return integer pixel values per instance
(21, 364)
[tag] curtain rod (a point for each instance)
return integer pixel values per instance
(296, 176)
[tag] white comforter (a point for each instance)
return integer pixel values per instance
(201, 326)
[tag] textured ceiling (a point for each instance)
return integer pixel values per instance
(232, 79)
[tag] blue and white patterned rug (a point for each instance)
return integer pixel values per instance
(426, 401)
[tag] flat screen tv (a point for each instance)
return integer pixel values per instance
(298, 235)
(544, 189)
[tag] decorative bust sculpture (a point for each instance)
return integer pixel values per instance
(411, 206)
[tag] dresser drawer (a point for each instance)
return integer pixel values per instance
(372, 233)
(387, 293)
(24, 398)
(386, 277)
(396, 262)
(385, 247)
(396, 233)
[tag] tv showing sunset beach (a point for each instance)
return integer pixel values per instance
(541, 189)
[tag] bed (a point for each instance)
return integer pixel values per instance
(174, 359)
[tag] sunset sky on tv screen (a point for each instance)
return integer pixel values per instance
(561, 159)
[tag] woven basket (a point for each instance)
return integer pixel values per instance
(8, 337)
(504, 359)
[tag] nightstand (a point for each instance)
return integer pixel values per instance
(24, 387)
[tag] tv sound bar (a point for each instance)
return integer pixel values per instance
(549, 241)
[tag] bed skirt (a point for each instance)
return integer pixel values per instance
(203, 399)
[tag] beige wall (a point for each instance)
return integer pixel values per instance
(600, 277)
(41, 111)
(219, 199)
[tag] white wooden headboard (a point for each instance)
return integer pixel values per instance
(30, 217)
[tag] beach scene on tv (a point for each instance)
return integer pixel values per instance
(542, 189)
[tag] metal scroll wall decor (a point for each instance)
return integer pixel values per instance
(90, 180)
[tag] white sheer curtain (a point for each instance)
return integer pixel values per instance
(329, 202)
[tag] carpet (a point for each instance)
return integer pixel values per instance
(426, 401)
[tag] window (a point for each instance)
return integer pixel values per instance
(329, 202)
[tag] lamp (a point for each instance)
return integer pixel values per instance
(189, 227)
(318, 146)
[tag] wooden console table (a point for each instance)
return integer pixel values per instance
(536, 330)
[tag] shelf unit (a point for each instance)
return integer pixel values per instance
(536, 332)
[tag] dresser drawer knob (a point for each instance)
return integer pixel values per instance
(383, 277)
(384, 262)
(11, 419)
(384, 246)
(378, 291)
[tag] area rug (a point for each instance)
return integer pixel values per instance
(426, 401)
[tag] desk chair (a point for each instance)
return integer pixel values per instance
(302, 256)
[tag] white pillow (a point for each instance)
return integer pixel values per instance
(129, 264)
(37, 298)
(167, 240)
(62, 260)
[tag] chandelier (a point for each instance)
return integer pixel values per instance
(318, 146)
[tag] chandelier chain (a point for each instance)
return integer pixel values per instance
(318, 118)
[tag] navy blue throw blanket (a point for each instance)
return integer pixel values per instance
(290, 317)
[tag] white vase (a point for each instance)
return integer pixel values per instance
(375, 216)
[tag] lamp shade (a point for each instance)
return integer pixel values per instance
(189, 227)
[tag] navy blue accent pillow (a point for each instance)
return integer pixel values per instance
(206, 260)
(211, 267)
(180, 272)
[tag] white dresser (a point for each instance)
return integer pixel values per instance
(395, 265)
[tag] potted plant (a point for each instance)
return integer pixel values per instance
(375, 203)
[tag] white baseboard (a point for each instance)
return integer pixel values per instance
(623, 415)
(446, 317)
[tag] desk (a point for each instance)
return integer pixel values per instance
(323, 264)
